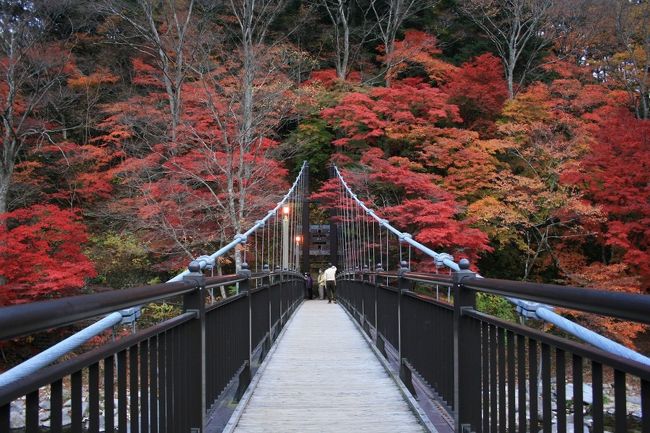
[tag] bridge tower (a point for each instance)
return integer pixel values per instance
(306, 241)
(334, 235)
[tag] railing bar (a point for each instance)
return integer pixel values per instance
(620, 402)
(225, 302)
(429, 300)
(186, 398)
(144, 386)
(494, 415)
(122, 402)
(578, 407)
(56, 406)
(560, 381)
(626, 365)
(179, 380)
(76, 385)
(155, 377)
(133, 389)
(166, 397)
(485, 369)
(597, 406)
(532, 385)
(93, 398)
(174, 401)
(546, 388)
(109, 394)
(5, 417)
(31, 412)
(510, 341)
(521, 381)
(645, 406)
(501, 342)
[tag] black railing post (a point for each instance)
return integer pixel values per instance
(467, 356)
(377, 270)
(266, 281)
(245, 375)
(195, 302)
(403, 285)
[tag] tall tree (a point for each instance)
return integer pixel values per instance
(30, 70)
(517, 30)
(390, 16)
(632, 62)
(167, 31)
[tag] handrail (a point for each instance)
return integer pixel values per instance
(19, 320)
(23, 319)
(626, 306)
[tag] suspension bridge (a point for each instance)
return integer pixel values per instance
(403, 347)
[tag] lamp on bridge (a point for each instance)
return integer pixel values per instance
(298, 240)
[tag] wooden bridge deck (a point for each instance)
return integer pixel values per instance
(323, 377)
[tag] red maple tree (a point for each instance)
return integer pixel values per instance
(41, 253)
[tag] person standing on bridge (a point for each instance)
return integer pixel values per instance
(309, 283)
(321, 284)
(330, 281)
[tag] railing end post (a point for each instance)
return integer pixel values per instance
(195, 302)
(467, 383)
(195, 275)
(244, 272)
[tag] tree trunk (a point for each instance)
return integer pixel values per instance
(510, 73)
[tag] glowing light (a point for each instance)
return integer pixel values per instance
(285, 210)
(298, 239)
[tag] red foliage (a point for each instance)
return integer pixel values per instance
(479, 89)
(616, 176)
(41, 254)
(420, 48)
(407, 109)
(328, 79)
(424, 209)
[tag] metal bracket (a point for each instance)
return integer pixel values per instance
(406, 376)
(528, 309)
(440, 258)
(130, 315)
(197, 314)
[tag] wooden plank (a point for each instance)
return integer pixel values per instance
(324, 378)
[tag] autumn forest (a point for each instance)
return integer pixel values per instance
(138, 134)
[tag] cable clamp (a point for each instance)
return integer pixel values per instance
(206, 262)
(439, 260)
(404, 236)
(130, 315)
(528, 309)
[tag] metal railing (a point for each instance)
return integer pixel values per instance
(160, 379)
(493, 375)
